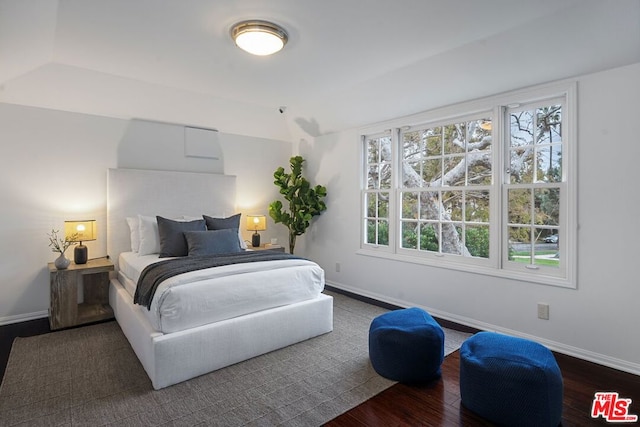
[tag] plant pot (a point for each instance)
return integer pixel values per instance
(62, 262)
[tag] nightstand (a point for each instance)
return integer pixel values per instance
(267, 247)
(93, 278)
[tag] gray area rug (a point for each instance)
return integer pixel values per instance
(91, 376)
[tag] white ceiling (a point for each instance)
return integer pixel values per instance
(348, 62)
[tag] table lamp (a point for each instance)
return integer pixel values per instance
(256, 223)
(80, 231)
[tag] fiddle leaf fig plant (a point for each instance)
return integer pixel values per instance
(304, 201)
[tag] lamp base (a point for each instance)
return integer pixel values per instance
(255, 240)
(80, 254)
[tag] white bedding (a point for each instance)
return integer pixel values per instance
(205, 296)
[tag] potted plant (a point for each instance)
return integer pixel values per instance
(60, 245)
(305, 201)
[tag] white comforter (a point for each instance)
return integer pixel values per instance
(205, 296)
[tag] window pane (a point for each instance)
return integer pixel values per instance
(409, 205)
(409, 235)
(372, 231)
(413, 145)
(520, 244)
(428, 237)
(477, 206)
(385, 176)
(549, 257)
(519, 206)
(431, 170)
(477, 240)
(549, 124)
(547, 206)
(385, 149)
(455, 138)
(383, 233)
(479, 131)
(383, 205)
(370, 200)
(411, 175)
(372, 151)
(521, 166)
(479, 172)
(521, 127)
(430, 205)
(549, 162)
(434, 141)
(456, 177)
(452, 202)
(451, 243)
(372, 177)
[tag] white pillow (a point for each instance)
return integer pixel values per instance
(149, 235)
(134, 229)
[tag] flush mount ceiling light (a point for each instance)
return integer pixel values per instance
(259, 37)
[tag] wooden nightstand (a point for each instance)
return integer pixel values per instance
(93, 278)
(267, 247)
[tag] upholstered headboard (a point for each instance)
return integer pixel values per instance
(166, 193)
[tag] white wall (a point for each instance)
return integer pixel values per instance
(53, 167)
(595, 322)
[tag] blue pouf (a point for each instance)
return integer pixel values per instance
(406, 345)
(510, 381)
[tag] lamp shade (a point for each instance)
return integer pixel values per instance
(256, 222)
(259, 37)
(80, 231)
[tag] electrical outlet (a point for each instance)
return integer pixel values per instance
(337, 267)
(543, 311)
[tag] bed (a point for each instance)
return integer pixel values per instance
(250, 310)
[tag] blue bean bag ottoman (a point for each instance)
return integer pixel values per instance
(406, 345)
(510, 381)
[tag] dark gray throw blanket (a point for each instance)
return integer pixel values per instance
(156, 273)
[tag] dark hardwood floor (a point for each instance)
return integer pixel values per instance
(438, 403)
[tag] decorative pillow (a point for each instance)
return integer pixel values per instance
(172, 239)
(224, 223)
(212, 242)
(149, 238)
(134, 229)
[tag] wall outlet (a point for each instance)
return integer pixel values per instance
(337, 267)
(543, 311)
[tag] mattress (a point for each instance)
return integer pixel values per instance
(214, 294)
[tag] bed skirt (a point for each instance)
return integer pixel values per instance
(172, 358)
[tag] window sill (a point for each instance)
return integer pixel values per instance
(487, 271)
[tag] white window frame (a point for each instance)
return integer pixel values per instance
(497, 264)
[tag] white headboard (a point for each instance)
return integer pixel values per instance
(166, 193)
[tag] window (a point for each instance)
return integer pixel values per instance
(445, 188)
(378, 191)
(487, 191)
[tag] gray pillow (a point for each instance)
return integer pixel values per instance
(212, 242)
(222, 223)
(172, 241)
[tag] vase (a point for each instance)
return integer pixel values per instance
(62, 262)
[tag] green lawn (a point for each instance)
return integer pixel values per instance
(554, 262)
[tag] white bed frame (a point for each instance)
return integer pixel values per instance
(172, 358)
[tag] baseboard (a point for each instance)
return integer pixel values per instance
(600, 359)
(8, 320)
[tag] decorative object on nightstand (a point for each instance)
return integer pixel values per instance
(256, 223)
(60, 246)
(93, 278)
(80, 231)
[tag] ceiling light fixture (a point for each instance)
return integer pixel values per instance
(259, 37)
